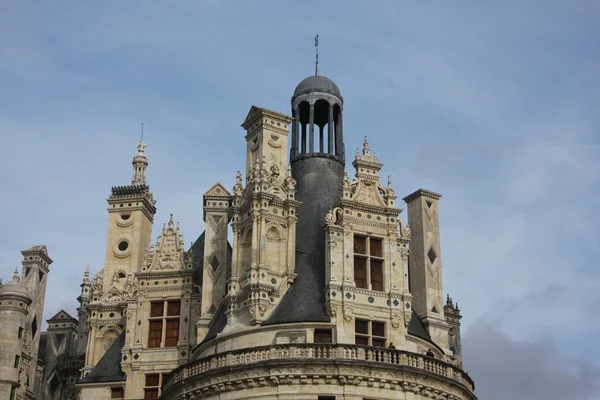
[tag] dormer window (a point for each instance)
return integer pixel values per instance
(368, 262)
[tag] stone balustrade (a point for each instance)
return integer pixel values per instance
(333, 352)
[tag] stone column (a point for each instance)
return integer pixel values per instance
(330, 148)
(339, 137)
(295, 132)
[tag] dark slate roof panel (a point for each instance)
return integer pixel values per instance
(108, 368)
(315, 84)
(217, 324)
(197, 250)
(305, 299)
(416, 328)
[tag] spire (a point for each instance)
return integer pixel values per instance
(366, 148)
(140, 162)
(16, 275)
(317, 55)
(86, 276)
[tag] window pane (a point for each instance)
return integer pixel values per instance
(361, 340)
(361, 326)
(378, 342)
(116, 393)
(155, 334)
(152, 380)
(378, 329)
(360, 244)
(322, 336)
(173, 308)
(151, 393)
(360, 272)
(376, 247)
(377, 275)
(156, 309)
(172, 332)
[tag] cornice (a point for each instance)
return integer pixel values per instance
(422, 193)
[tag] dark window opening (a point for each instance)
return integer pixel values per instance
(117, 393)
(20, 333)
(368, 263)
(369, 333)
(323, 336)
(123, 245)
(164, 323)
(125, 217)
(152, 386)
(33, 327)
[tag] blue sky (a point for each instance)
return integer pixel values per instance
(496, 105)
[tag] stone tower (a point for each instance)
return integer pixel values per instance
(141, 310)
(331, 295)
(426, 264)
(131, 212)
(21, 311)
(14, 302)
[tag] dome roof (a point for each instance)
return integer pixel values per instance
(317, 83)
(14, 288)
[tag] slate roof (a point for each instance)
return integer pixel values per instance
(305, 299)
(217, 324)
(317, 83)
(108, 368)
(197, 250)
(416, 328)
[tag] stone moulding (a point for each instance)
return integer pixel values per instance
(338, 364)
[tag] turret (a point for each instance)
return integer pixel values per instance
(83, 299)
(36, 263)
(452, 313)
(131, 212)
(14, 301)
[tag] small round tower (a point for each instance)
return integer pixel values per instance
(14, 300)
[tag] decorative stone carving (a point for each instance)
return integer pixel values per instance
(405, 232)
(168, 253)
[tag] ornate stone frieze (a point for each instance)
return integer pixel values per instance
(168, 254)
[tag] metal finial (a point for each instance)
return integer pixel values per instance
(317, 55)
(142, 138)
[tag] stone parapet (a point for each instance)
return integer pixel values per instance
(328, 367)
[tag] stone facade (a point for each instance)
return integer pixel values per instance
(323, 293)
(21, 310)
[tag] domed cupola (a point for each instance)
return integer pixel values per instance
(317, 106)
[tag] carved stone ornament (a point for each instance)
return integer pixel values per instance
(131, 287)
(405, 231)
(332, 216)
(348, 314)
(168, 253)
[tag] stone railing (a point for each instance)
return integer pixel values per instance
(333, 352)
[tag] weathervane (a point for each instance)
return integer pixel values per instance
(317, 53)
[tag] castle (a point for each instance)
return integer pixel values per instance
(323, 293)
